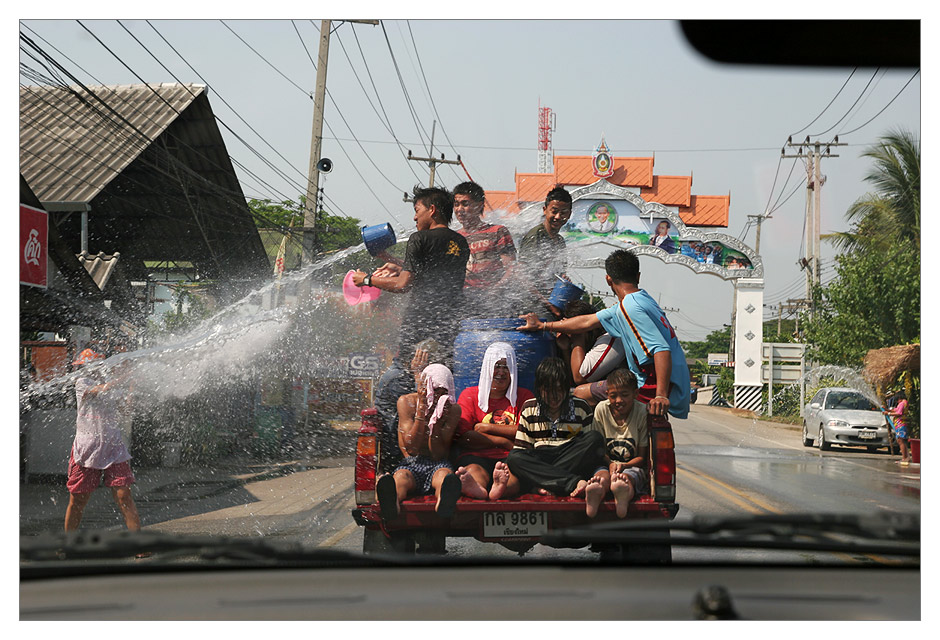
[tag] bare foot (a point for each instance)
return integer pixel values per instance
(622, 489)
(469, 486)
(500, 480)
(544, 492)
(593, 494)
(579, 490)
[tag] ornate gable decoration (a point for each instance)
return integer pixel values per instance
(603, 163)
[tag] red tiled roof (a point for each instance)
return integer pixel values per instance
(628, 172)
(707, 211)
(672, 191)
(505, 200)
(669, 190)
(533, 187)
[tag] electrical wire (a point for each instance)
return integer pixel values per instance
(885, 107)
(816, 135)
(828, 105)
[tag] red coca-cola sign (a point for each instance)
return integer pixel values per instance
(34, 243)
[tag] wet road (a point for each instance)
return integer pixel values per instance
(727, 465)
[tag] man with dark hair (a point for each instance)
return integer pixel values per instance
(654, 354)
(433, 271)
(542, 252)
(554, 451)
(492, 253)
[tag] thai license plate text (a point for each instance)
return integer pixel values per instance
(514, 524)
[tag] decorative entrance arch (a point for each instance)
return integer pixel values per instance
(608, 214)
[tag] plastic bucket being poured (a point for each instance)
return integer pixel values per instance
(564, 292)
(378, 238)
(354, 295)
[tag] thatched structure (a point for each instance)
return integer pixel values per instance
(883, 366)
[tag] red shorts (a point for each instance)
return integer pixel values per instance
(85, 479)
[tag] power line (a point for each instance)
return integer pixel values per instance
(828, 105)
(885, 107)
(816, 135)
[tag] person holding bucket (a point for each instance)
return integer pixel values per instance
(433, 272)
(653, 352)
(542, 253)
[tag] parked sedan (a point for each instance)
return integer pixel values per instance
(844, 416)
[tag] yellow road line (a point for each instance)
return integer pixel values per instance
(729, 491)
(339, 535)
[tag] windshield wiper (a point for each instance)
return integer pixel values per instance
(892, 534)
(114, 545)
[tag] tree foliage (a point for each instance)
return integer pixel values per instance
(333, 232)
(874, 301)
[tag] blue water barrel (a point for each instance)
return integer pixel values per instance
(476, 335)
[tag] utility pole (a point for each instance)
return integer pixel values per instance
(316, 139)
(813, 152)
(432, 161)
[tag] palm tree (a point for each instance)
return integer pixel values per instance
(890, 216)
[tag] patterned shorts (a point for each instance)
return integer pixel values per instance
(423, 468)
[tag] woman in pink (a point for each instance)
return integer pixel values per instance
(489, 415)
(900, 429)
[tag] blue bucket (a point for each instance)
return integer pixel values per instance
(378, 238)
(564, 292)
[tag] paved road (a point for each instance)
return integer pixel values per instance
(726, 465)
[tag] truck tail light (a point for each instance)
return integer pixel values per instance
(367, 457)
(663, 459)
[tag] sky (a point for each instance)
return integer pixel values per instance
(479, 83)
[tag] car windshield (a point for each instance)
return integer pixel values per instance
(363, 311)
(842, 400)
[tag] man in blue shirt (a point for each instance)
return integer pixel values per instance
(654, 354)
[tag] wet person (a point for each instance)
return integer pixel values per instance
(542, 253)
(654, 354)
(427, 421)
(397, 381)
(489, 415)
(98, 450)
(592, 355)
(621, 419)
(899, 421)
(554, 451)
(492, 254)
(433, 272)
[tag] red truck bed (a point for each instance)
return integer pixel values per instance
(517, 522)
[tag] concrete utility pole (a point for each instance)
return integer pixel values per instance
(432, 161)
(316, 140)
(813, 152)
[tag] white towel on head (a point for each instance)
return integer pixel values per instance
(437, 376)
(494, 353)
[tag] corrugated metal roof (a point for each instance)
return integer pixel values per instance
(73, 143)
(151, 163)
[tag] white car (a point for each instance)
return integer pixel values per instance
(838, 415)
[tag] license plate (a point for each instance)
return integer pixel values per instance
(866, 435)
(514, 524)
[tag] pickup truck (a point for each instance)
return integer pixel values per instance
(518, 523)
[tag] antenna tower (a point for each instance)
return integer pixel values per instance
(546, 126)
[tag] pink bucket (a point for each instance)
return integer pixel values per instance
(354, 295)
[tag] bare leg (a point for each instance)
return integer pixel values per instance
(505, 484)
(595, 491)
(473, 481)
(125, 502)
(905, 454)
(622, 489)
(73, 513)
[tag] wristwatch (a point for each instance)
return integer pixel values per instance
(367, 281)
